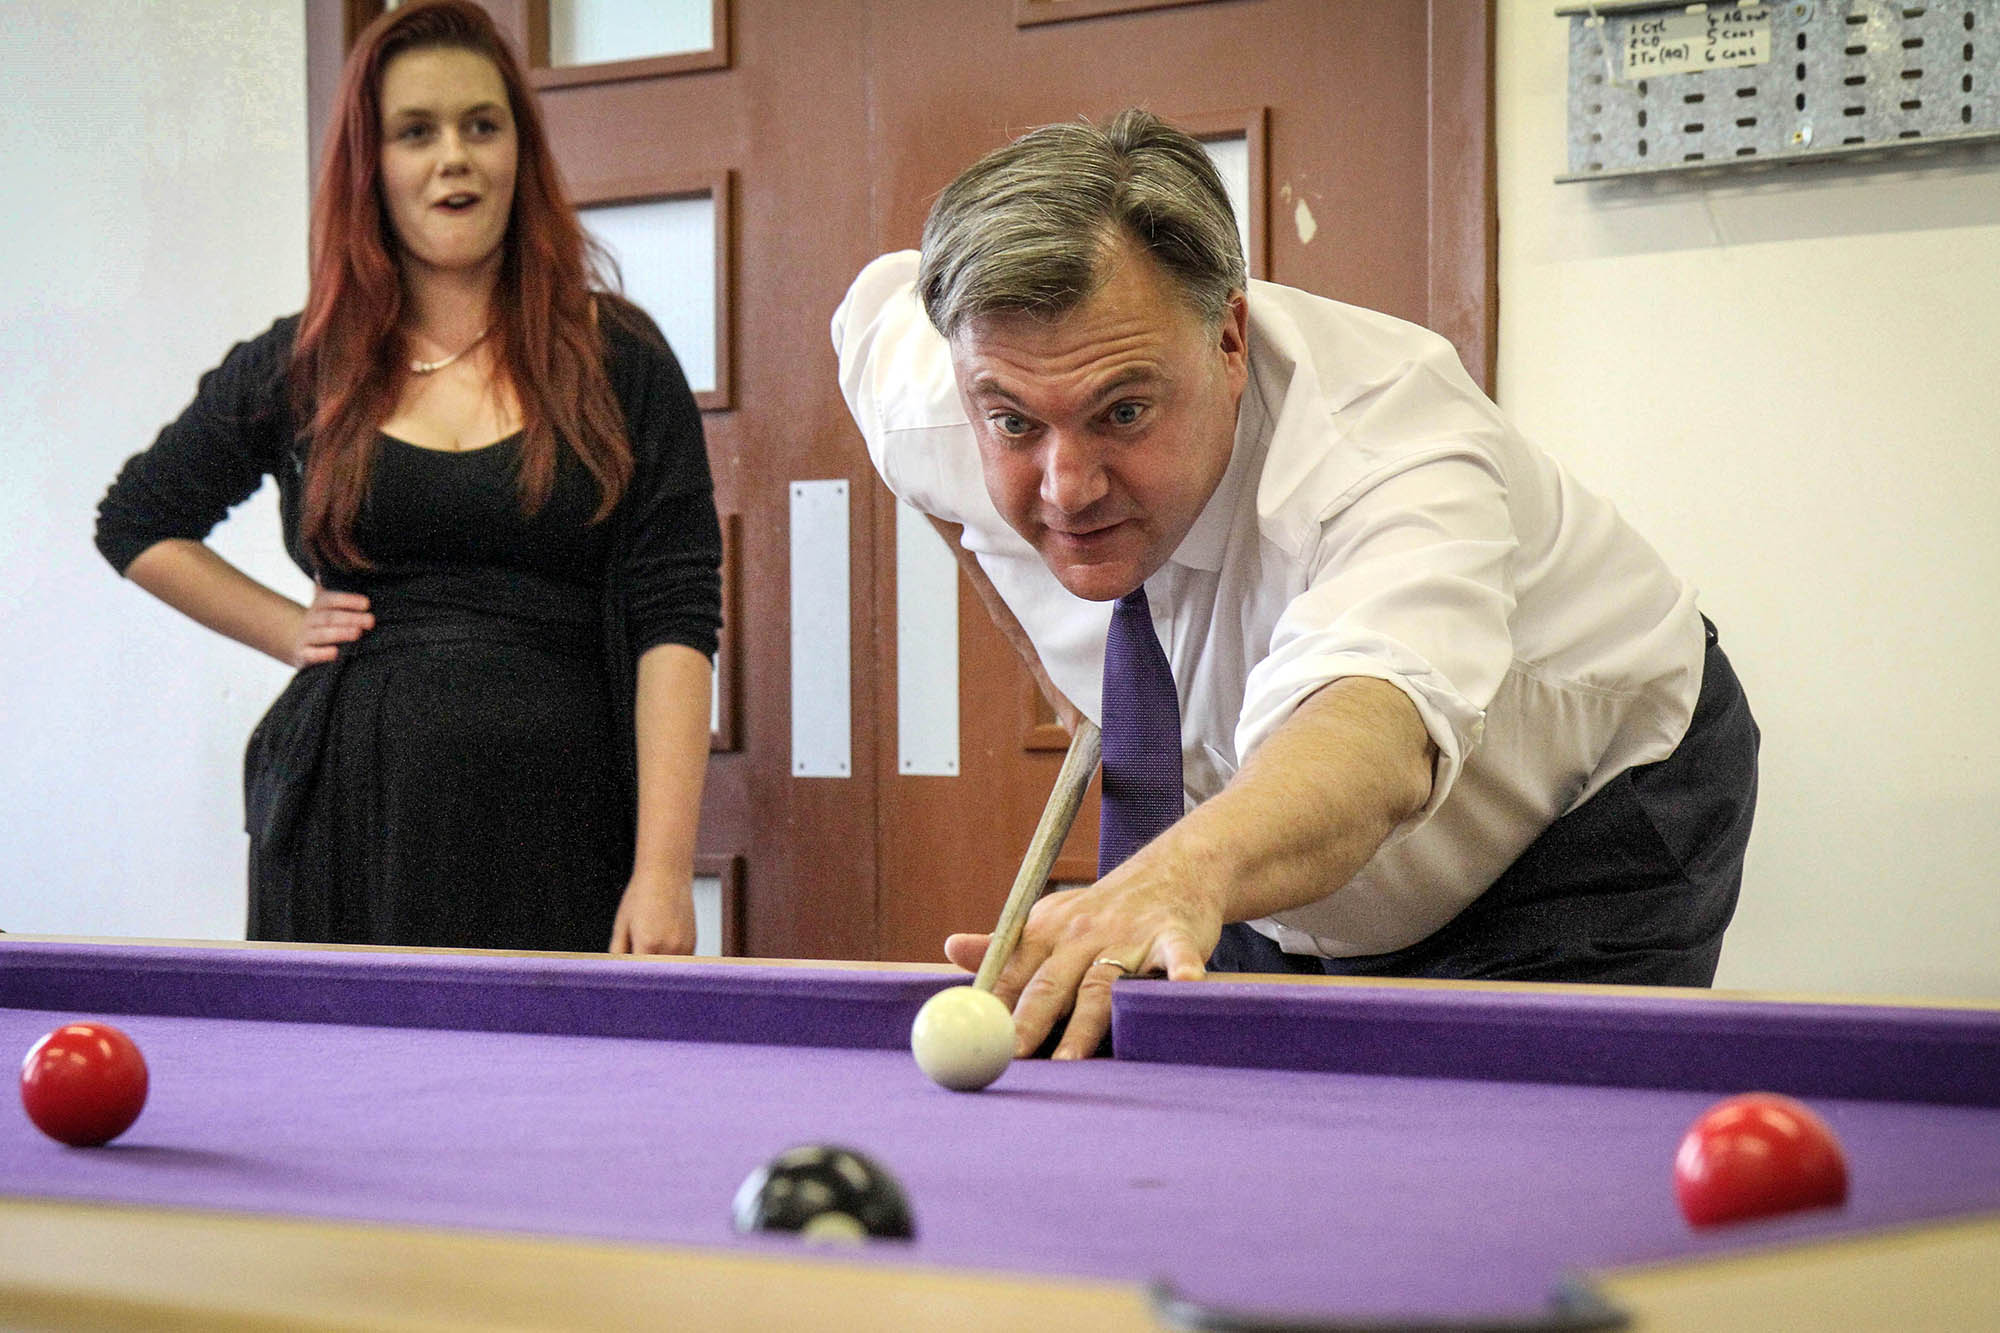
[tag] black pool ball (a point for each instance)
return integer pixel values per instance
(824, 1193)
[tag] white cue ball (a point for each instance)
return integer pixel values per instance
(963, 1038)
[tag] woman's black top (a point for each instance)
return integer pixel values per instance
(462, 775)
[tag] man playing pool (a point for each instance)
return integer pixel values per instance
(1441, 712)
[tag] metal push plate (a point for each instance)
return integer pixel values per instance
(822, 715)
(1657, 88)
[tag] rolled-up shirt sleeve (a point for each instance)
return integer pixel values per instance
(1408, 583)
(208, 460)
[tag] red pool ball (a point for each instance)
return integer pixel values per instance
(1756, 1155)
(83, 1084)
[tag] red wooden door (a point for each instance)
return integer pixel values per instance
(827, 126)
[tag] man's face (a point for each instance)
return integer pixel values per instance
(1104, 432)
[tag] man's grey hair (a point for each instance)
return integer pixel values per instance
(1029, 227)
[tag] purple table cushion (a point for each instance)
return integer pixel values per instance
(593, 997)
(1711, 1043)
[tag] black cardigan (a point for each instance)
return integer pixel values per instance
(662, 580)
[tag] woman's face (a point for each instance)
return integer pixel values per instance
(448, 157)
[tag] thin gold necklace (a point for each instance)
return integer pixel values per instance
(432, 367)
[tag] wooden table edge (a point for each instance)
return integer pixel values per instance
(111, 1266)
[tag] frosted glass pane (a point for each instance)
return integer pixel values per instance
(665, 250)
(590, 32)
(707, 916)
(1232, 158)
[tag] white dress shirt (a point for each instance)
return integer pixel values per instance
(1378, 518)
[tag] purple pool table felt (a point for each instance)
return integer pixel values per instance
(1293, 1190)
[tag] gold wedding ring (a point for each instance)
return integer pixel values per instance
(1123, 970)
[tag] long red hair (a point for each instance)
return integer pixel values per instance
(348, 368)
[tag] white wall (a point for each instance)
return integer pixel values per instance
(154, 213)
(1793, 386)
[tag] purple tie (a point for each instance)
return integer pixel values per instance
(1142, 735)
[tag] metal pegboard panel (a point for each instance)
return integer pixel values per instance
(1657, 88)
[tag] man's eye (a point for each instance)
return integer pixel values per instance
(1009, 423)
(1127, 414)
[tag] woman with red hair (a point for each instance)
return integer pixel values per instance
(493, 469)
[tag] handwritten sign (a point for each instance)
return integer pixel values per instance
(1720, 38)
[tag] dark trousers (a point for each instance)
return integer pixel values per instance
(1635, 885)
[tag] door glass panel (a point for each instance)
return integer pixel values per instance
(1231, 155)
(593, 32)
(665, 250)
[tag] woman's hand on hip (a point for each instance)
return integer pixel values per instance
(333, 618)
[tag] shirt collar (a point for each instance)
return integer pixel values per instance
(1208, 538)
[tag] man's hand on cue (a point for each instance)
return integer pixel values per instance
(1153, 915)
